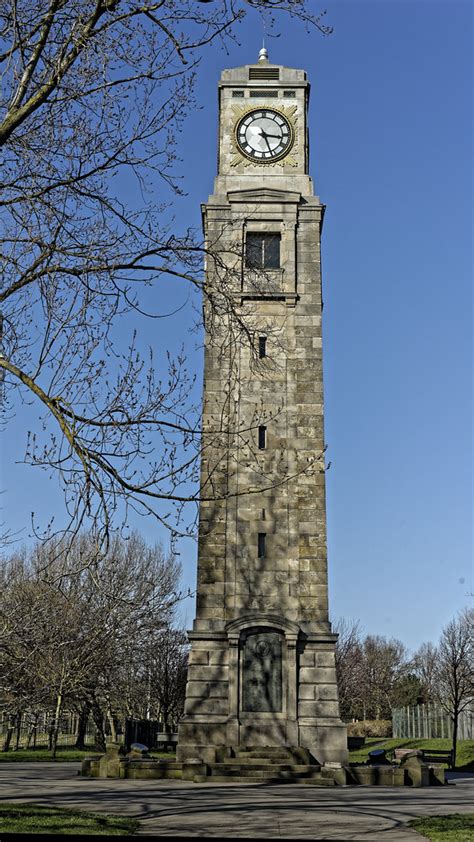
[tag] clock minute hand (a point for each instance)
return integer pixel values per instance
(265, 137)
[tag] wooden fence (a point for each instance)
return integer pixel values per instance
(424, 722)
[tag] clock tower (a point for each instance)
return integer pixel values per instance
(262, 667)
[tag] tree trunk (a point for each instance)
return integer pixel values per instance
(18, 730)
(112, 725)
(32, 732)
(455, 735)
(98, 718)
(9, 734)
(55, 728)
(82, 726)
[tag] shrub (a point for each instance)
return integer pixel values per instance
(370, 728)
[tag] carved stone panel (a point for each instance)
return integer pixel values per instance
(262, 673)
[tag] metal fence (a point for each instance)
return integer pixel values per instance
(424, 722)
(34, 730)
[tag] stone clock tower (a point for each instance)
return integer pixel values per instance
(261, 671)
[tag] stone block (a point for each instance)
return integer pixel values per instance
(307, 659)
(437, 774)
(218, 690)
(110, 762)
(307, 692)
(324, 659)
(327, 693)
(364, 775)
(194, 768)
(197, 689)
(417, 773)
(317, 675)
(200, 673)
(219, 657)
(198, 656)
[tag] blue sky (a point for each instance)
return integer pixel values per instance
(391, 156)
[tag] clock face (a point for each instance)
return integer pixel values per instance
(264, 135)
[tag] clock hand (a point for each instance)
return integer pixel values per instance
(265, 137)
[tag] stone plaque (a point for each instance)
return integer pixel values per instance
(262, 673)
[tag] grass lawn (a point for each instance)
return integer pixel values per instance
(465, 749)
(62, 754)
(454, 828)
(31, 818)
(65, 753)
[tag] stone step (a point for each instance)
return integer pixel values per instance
(275, 753)
(314, 780)
(278, 761)
(259, 770)
(235, 779)
(318, 781)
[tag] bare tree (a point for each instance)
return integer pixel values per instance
(167, 664)
(349, 668)
(94, 95)
(374, 673)
(384, 665)
(425, 666)
(66, 635)
(455, 668)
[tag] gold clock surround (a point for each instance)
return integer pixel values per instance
(286, 159)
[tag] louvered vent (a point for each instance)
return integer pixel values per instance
(263, 93)
(264, 72)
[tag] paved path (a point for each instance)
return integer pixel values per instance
(175, 808)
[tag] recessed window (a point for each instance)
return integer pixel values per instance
(262, 438)
(289, 94)
(237, 94)
(262, 251)
(262, 537)
(262, 347)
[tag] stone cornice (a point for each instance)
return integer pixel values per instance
(264, 194)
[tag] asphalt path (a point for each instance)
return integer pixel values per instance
(291, 811)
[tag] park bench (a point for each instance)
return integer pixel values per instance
(428, 755)
(435, 755)
(167, 742)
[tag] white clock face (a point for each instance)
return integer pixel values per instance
(264, 135)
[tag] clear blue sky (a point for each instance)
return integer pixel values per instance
(391, 156)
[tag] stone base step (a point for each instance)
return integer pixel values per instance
(226, 779)
(262, 770)
(273, 754)
(271, 777)
(269, 764)
(265, 761)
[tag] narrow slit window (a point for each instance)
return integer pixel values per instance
(262, 347)
(262, 438)
(262, 537)
(262, 251)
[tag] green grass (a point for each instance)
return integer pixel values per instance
(62, 754)
(66, 753)
(465, 749)
(32, 818)
(452, 828)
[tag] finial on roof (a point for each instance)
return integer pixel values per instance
(263, 54)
